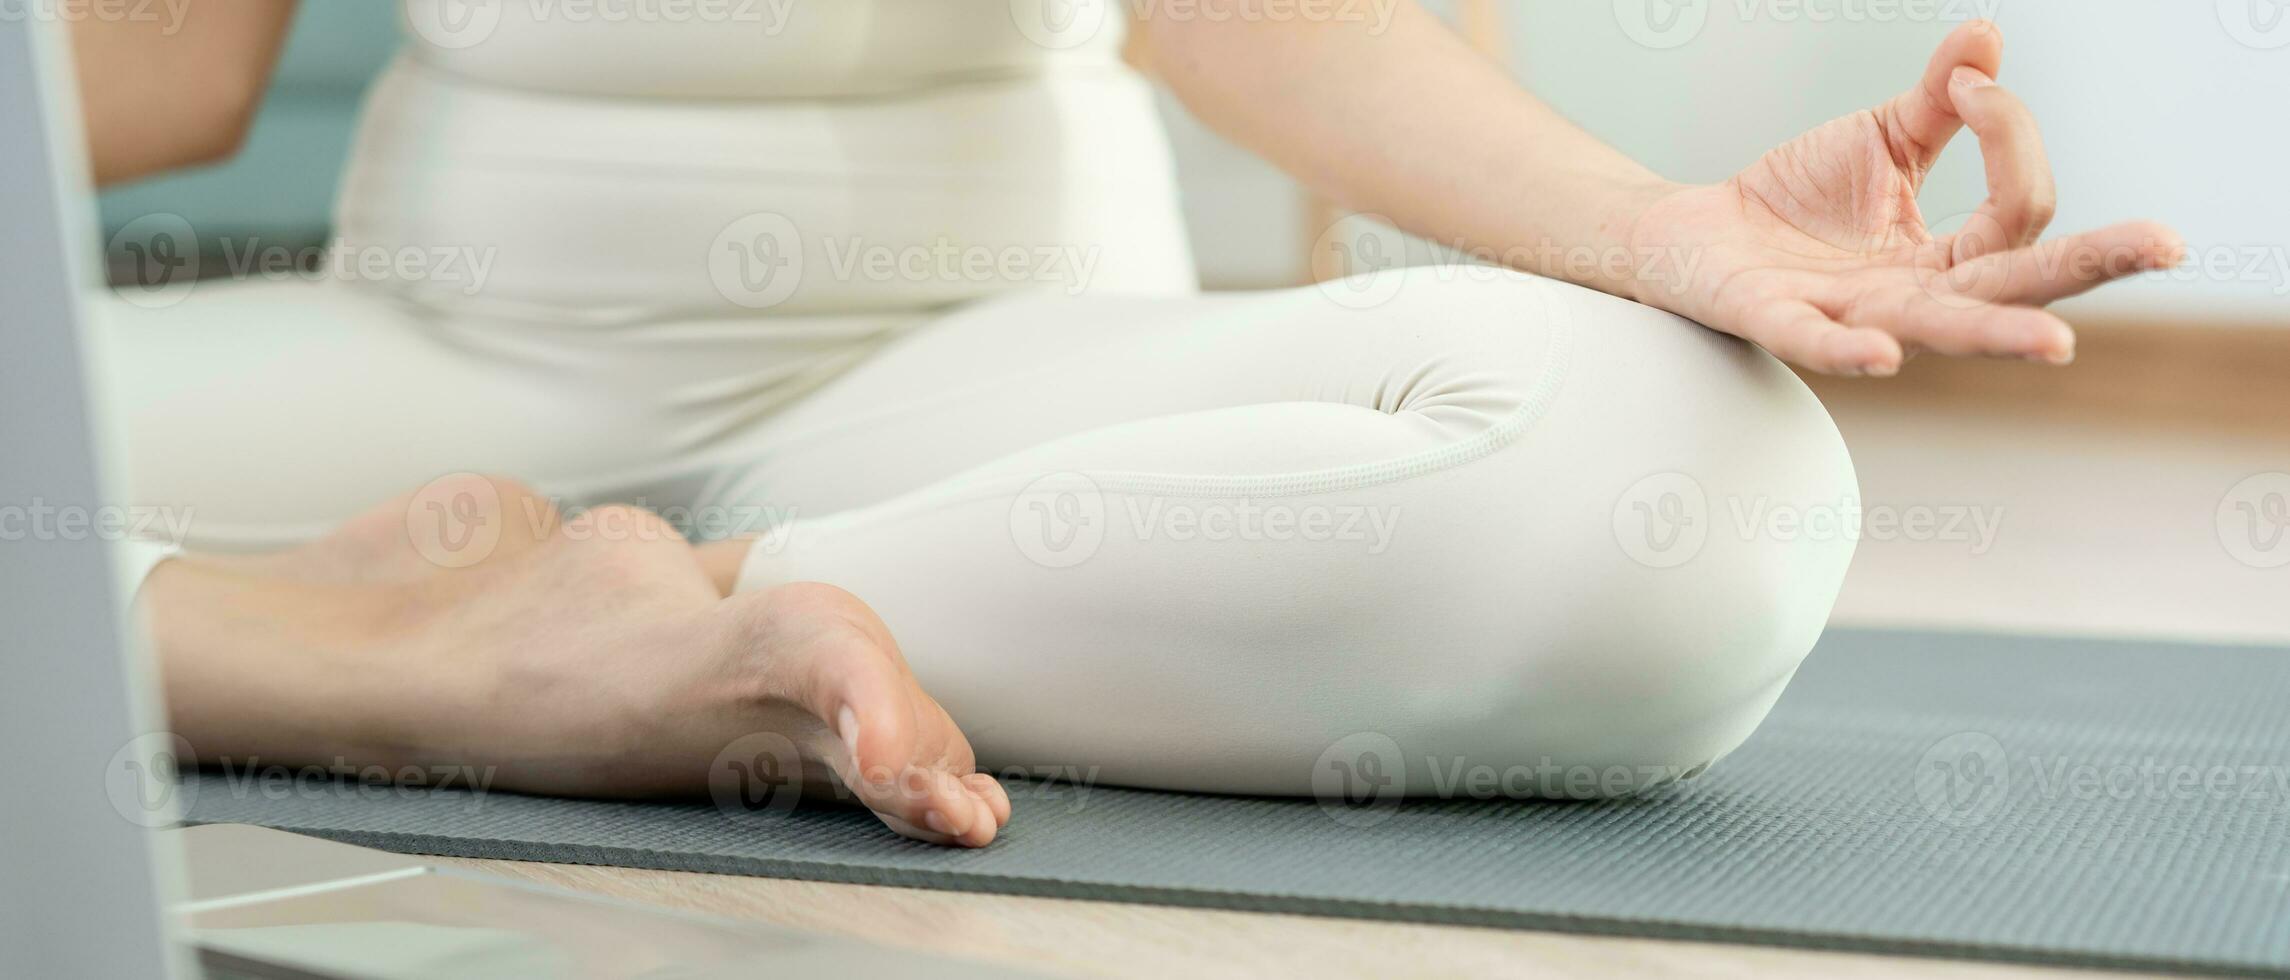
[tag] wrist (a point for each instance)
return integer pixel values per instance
(1597, 234)
(1651, 271)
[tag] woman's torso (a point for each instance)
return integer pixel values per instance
(638, 161)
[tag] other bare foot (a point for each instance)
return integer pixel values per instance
(582, 655)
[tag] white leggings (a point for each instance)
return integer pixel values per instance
(1482, 532)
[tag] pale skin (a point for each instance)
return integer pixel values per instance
(576, 661)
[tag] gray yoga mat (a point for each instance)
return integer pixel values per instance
(2076, 802)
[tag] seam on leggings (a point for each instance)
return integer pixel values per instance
(1540, 394)
(740, 458)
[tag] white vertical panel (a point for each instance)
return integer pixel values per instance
(79, 894)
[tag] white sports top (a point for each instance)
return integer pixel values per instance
(640, 161)
(756, 49)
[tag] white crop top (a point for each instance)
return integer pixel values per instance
(756, 48)
(611, 156)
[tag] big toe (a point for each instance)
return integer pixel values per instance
(885, 738)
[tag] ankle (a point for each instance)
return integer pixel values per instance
(257, 664)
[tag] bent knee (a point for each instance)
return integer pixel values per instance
(1634, 580)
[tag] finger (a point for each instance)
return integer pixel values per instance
(2022, 196)
(2055, 270)
(1966, 329)
(1922, 120)
(1798, 332)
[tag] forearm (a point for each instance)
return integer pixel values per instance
(177, 87)
(1410, 123)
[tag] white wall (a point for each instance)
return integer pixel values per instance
(2170, 109)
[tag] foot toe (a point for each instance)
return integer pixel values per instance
(990, 792)
(892, 745)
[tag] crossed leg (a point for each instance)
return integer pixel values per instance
(1196, 543)
(1461, 520)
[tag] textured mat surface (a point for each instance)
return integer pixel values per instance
(2046, 800)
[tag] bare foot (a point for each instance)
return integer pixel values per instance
(590, 655)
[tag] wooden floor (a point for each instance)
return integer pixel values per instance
(2103, 485)
(1103, 939)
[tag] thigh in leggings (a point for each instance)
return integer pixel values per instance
(267, 412)
(1469, 531)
